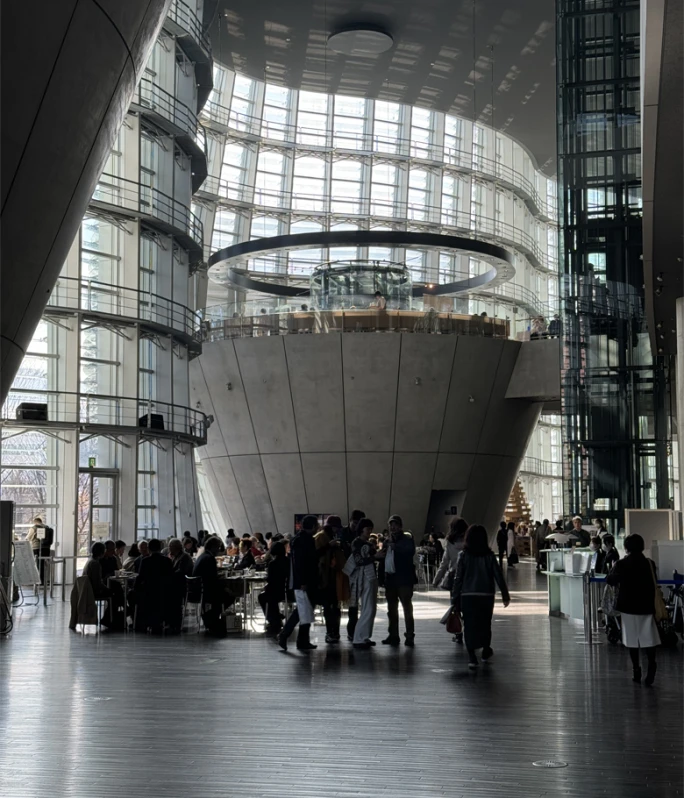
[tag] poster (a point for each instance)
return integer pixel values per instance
(100, 530)
(25, 568)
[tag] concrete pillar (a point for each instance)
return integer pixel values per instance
(62, 109)
(680, 397)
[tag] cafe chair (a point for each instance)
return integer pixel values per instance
(194, 598)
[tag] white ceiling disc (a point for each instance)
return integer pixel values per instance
(360, 42)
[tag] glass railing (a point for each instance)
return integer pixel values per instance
(470, 224)
(431, 153)
(184, 16)
(220, 323)
(162, 102)
(542, 468)
(148, 201)
(67, 408)
(116, 300)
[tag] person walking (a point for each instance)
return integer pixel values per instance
(502, 541)
(636, 577)
(398, 575)
(346, 537)
(511, 551)
(477, 575)
(363, 583)
(326, 549)
(303, 580)
(446, 574)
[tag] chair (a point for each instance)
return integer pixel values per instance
(194, 595)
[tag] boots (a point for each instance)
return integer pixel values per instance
(650, 673)
(303, 641)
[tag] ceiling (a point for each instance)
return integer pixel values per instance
(447, 55)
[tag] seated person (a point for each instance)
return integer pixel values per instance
(189, 547)
(109, 563)
(153, 589)
(233, 548)
(182, 567)
(195, 544)
(216, 593)
(246, 556)
(119, 549)
(129, 562)
(93, 570)
(144, 550)
(277, 576)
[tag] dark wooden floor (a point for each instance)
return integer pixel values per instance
(237, 718)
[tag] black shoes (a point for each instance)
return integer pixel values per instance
(487, 654)
(332, 638)
(364, 646)
(636, 675)
(650, 674)
(282, 641)
(391, 641)
(458, 638)
(410, 641)
(304, 646)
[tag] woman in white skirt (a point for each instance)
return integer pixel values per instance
(635, 576)
(363, 583)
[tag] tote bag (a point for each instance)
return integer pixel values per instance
(304, 608)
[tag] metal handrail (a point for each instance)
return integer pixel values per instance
(185, 17)
(544, 468)
(370, 143)
(148, 201)
(290, 322)
(471, 223)
(69, 407)
(151, 96)
(118, 300)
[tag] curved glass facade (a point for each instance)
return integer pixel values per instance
(285, 161)
(110, 357)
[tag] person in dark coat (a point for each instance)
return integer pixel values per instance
(182, 565)
(247, 559)
(276, 584)
(398, 575)
(216, 592)
(502, 542)
(153, 588)
(346, 537)
(303, 580)
(636, 577)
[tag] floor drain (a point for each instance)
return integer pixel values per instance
(550, 763)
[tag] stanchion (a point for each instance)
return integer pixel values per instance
(586, 591)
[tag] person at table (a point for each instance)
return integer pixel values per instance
(233, 547)
(189, 546)
(216, 593)
(303, 580)
(153, 589)
(182, 567)
(93, 570)
(143, 548)
(246, 556)
(110, 562)
(636, 578)
(230, 537)
(119, 550)
(129, 562)
(380, 302)
(274, 591)
(187, 535)
(260, 542)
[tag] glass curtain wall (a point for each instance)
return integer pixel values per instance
(615, 425)
(110, 357)
(285, 161)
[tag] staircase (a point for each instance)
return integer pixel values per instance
(518, 509)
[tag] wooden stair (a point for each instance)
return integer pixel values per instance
(518, 509)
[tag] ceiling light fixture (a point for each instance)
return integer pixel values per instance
(360, 40)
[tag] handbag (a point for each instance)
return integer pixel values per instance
(349, 566)
(453, 624)
(609, 601)
(660, 613)
(448, 582)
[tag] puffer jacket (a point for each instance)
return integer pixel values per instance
(478, 576)
(449, 561)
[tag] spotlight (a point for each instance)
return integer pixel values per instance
(658, 291)
(659, 278)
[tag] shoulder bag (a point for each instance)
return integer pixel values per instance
(660, 613)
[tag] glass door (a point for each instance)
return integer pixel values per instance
(97, 502)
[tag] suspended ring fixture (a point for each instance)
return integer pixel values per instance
(228, 266)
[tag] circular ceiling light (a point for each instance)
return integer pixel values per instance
(360, 41)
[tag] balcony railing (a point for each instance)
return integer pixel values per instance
(128, 415)
(432, 154)
(542, 468)
(471, 224)
(116, 300)
(183, 16)
(149, 202)
(218, 324)
(162, 102)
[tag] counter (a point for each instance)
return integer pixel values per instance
(565, 571)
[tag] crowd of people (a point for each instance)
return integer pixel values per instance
(332, 565)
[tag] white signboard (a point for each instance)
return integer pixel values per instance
(25, 569)
(101, 530)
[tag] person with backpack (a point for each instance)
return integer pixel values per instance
(477, 576)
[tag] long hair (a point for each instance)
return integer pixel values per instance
(457, 529)
(476, 541)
